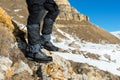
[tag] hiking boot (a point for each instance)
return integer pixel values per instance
(34, 48)
(49, 46)
(36, 54)
(39, 57)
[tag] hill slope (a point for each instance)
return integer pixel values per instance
(69, 20)
(78, 61)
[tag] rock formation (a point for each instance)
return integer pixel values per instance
(69, 13)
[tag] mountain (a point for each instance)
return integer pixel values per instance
(69, 20)
(78, 25)
(83, 55)
(116, 33)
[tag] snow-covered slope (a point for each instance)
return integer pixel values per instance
(106, 57)
(117, 34)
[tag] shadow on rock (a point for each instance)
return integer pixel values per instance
(20, 38)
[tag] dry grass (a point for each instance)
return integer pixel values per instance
(89, 32)
(8, 39)
(82, 68)
(5, 40)
(7, 45)
(5, 19)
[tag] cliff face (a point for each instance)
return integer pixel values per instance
(69, 13)
(78, 25)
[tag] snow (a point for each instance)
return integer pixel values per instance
(21, 26)
(116, 33)
(109, 54)
(103, 65)
(17, 10)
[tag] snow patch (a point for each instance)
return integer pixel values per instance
(17, 10)
(117, 34)
(109, 54)
(21, 26)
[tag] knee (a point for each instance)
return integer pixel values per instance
(56, 12)
(56, 9)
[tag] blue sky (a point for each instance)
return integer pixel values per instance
(105, 13)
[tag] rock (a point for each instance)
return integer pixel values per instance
(74, 45)
(59, 69)
(1, 76)
(107, 56)
(92, 56)
(9, 73)
(76, 51)
(57, 40)
(5, 64)
(22, 76)
(69, 13)
(21, 67)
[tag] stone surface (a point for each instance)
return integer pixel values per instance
(5, 64)
(22, 67)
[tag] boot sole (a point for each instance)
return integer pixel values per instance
(39, 61)
(50, 49)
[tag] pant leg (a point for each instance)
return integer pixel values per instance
(50, 17)
(36, 11)
(52, 9)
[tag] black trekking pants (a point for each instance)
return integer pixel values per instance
(37, 10)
